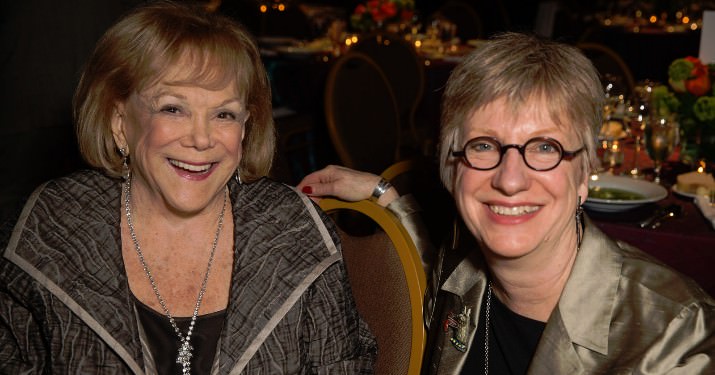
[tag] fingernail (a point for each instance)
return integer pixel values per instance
(307, 190)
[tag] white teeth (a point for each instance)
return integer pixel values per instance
(513, 211)
(190, 167)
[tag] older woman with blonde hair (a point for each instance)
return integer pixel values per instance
(176, 255)
(528, 285)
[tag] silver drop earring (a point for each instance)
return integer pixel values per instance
(579, 223)
(238, 176)
(125, 163)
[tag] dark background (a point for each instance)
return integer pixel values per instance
(44, 43)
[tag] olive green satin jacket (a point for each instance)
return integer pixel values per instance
(621, 312)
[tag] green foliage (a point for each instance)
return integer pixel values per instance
(679, 69)
(704, 108)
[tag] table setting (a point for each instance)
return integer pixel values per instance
(659, 126)
(643, 17)
(655, 188)
(665, 221)
(610, 194)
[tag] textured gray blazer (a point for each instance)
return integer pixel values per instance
(66, 307)
(621, 312)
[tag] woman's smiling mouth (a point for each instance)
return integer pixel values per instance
(513, 211)
(201, 168)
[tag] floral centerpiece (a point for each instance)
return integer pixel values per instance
(693, 99)
(374, 13)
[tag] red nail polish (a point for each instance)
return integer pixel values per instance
(307, 190)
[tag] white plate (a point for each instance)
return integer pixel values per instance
(682, 193)
(651, 193)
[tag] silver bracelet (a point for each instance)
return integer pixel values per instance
(381, 188)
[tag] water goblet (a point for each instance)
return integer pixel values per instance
(661, 136)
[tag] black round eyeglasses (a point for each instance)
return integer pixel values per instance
(539, 154)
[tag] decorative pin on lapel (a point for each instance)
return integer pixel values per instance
(459, 323)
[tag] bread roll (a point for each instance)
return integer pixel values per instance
(691, 181)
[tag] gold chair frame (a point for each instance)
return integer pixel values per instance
(411, 263)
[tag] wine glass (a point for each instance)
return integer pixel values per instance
(613, 129)
(636, 116)
(635, 119)
(661, 135)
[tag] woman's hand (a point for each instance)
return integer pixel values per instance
(344, 183)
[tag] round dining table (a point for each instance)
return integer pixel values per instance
(686, 242)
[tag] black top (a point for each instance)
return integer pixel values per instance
(164, 342)
(512, 341)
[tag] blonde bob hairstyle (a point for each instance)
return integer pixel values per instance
(524, 70)
(136, 53)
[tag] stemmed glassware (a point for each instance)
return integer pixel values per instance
(661, 137)
(613, 128)
(635, 118)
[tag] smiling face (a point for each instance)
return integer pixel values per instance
(184, 142)
(512, 210)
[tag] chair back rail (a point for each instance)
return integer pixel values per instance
(361, 114)
(388, 284)
(404, 71)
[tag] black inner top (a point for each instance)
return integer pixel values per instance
(164, 342)
(512, 341)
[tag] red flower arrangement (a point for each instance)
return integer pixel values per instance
(692, 83)
(690, 75)
(375, 13)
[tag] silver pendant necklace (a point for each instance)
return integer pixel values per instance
(184, 355)
(486, 328)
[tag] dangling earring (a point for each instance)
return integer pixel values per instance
(579, 223)
(237, 176)
(125, 163)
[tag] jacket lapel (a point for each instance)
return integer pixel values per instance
(466, 285)
(589, 296)
(85, 269)
(555, 353)
(268, 263)
(584, 313)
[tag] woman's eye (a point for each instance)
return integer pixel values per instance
(546, 148)
(481, 147)
(171, 109)
(226, 116)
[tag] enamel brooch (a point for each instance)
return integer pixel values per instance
(459, 324)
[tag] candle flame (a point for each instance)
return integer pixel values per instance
(701, 167)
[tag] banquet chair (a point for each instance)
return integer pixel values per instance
(361, 114)
(609, 62)
(388, 283)
(404, 70)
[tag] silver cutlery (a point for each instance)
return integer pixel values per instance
(661, 214)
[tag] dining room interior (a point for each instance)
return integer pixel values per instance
(359, 83)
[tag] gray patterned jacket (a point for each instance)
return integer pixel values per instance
(65, 304)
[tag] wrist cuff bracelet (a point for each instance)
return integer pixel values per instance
(381, 188)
